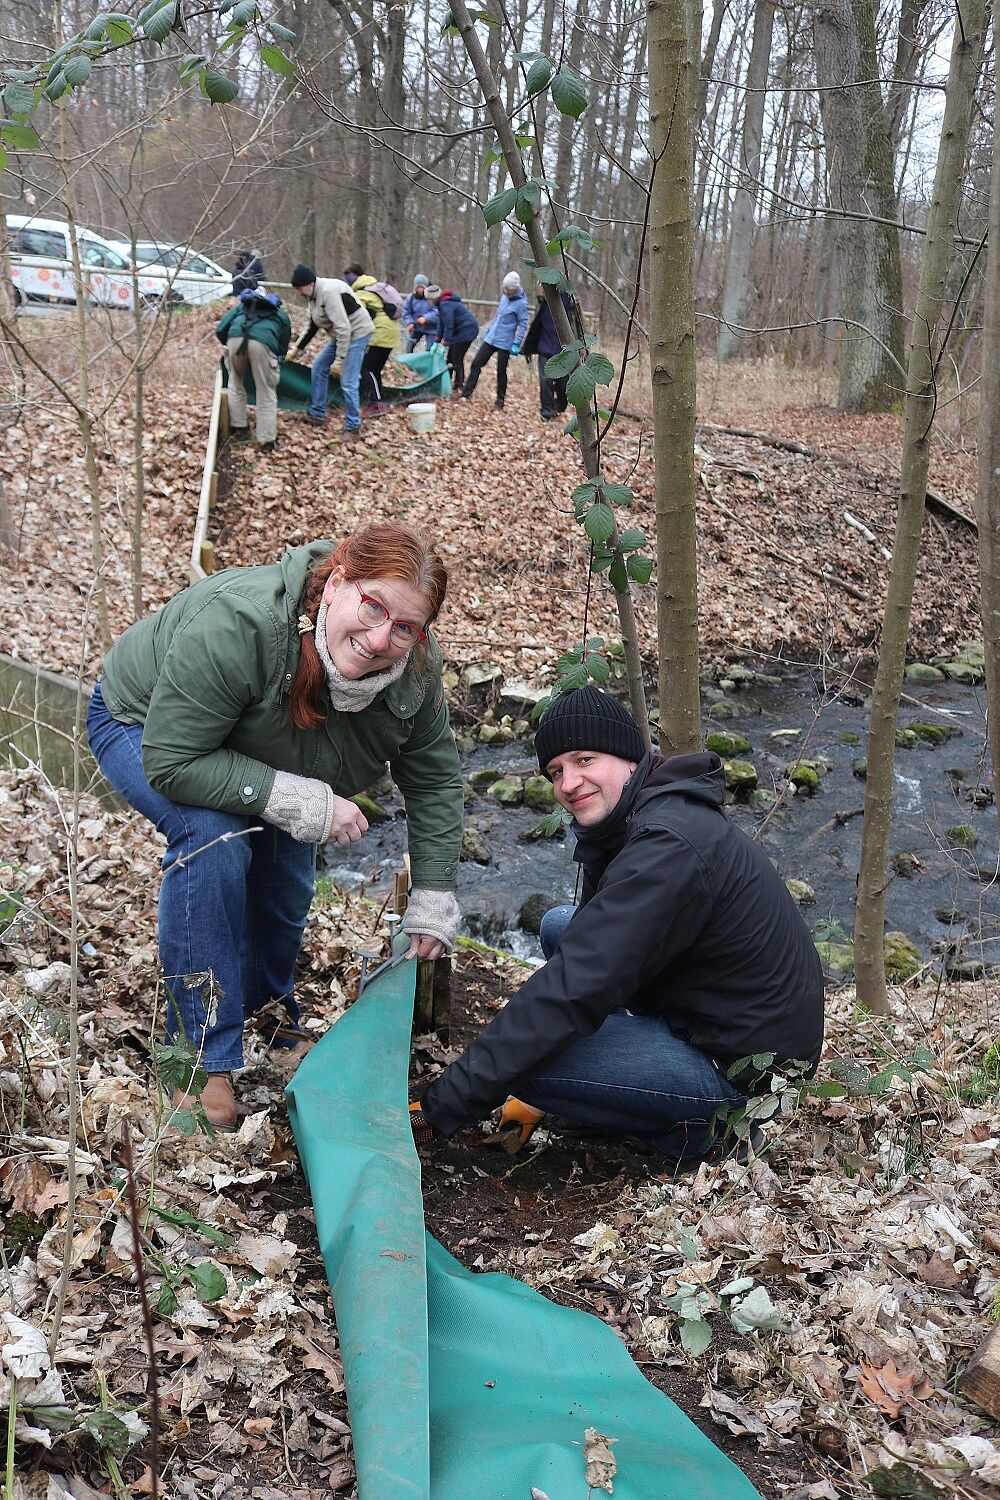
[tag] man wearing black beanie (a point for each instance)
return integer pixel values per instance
(686, 959)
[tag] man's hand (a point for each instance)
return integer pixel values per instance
(422, 945)
(347, 823)
(423, 1130)
(335, 371)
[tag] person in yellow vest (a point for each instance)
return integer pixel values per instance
(384, 306)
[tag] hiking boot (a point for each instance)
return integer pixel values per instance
(348, 436)
(239, 434)
(217, 1099)
(269, 447)
(307, 416)
(376, 409)
(547, 416)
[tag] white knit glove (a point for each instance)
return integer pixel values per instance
(301, 805)
(434, 914)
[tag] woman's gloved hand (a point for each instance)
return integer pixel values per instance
(515, 349)
(431, 922)
(309, 810)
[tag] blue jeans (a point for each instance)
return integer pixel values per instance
(633, 1075)
(234, 911)
(350, 378)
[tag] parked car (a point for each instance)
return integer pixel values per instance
(184, 276)
(42, 267)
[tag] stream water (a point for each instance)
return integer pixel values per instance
(943, 892)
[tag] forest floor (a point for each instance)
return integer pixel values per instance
(867, 1237)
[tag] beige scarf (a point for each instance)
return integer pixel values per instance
(349, 695)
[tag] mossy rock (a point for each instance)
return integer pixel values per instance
(741, 676)
(370, 808)
(475, 848)
(722, 710)
(490, 734)
(848, 737)
(903, 958)
(521, 728)
(935, 734)
(949, 915)
(538, 794)
(465, 744)
(961, 670)
(468, 792)
(449, 679)
(484, 778)
(979, 796)
(727, 685)
(922, 671)
(762, 799)
(859, 767)
(508, 791)
(727, 745)
(906, 739)
(533, 909)
(741, 778)
(803, 775)
(801, 892)
(956, 773)
(837, 959)
(905, 864)
(964, 835)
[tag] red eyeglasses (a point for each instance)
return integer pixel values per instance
(372, 613)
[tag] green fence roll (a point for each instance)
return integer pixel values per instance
(461, 1386)
(429, 372)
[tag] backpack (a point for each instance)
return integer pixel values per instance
(256, 307)
(391, 299)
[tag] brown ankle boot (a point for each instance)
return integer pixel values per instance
(216, 1099)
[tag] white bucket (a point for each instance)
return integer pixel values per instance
(422, 415)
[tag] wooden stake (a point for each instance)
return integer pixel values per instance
(980, 1380)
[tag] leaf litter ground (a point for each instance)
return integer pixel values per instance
(869, 1231)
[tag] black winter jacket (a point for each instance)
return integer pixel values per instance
(683, 916)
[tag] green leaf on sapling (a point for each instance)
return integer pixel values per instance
(499, 206)
(580, 386)
(538, 75)
(568, 93)
(639, 569)
(599, 522)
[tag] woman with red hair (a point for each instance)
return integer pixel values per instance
(240, 719)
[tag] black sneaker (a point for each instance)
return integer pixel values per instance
(239, 434)
(498, 405)
(268, 447)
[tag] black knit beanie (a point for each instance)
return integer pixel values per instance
(587, 719)
(303, 276)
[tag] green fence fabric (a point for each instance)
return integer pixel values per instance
(461, 1386)
(429, 371)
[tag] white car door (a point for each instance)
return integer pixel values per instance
(106, 273)
(40, 263)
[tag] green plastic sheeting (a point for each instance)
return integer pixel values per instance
(460, 1386)
(430, 379)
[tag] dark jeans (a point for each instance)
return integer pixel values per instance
(456, 363)
(484, 354)
(632, 1076)
(371, 373)
(233, 904)
(551, 391)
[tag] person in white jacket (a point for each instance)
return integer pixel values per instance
(335, 309)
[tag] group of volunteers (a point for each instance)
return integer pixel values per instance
(244, 717)
(365, 320)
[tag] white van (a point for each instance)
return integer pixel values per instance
(183, 276)
(41, 264)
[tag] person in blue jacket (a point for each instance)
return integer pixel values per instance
(503, 337)
(543, 340)
(420, 317)
(457, 331)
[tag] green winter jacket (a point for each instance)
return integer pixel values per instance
(274, 332)
(208, 678)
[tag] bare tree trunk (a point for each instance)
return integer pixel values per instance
(988, 496)
(921, 397)
(734, 291)
(860, 171)
(672, 87)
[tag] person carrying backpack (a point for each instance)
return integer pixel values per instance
(457, 331)
(256, 334)
(385, 307)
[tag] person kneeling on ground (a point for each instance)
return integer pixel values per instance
(502, 338)
(334, 308)
(686, 955)
(256, 333)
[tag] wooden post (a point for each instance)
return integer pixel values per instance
(980, 1380)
